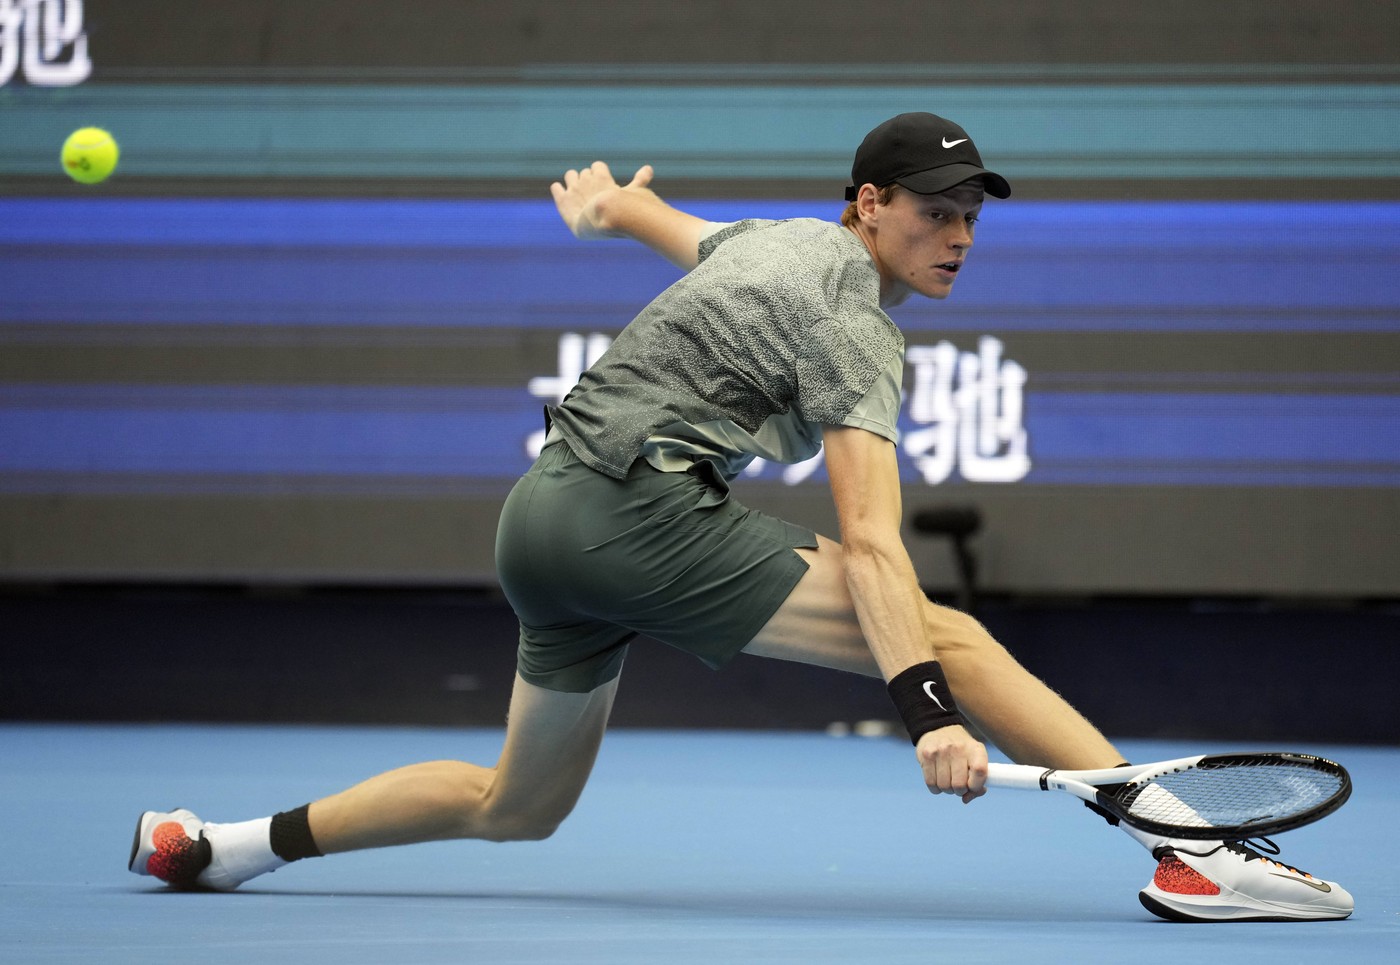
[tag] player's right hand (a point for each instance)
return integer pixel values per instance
(954, 762)
(582, 197)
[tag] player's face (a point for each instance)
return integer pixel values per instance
(922, 240)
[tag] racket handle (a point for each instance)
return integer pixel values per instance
(1018, 777)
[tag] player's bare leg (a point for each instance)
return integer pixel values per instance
(1195, 881)
(552, 740)
(1016, 711)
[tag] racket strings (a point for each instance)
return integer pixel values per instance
(1240, 794)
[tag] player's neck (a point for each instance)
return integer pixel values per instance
(892, 292)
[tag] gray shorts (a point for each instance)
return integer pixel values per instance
(588, 562)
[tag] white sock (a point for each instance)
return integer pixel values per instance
(1154, 841)
(1149, 841)
(240, 851)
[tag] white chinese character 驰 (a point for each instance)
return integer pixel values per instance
(971, 405)
(45, 37)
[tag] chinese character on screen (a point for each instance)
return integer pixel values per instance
(46, 39)
(969, 405)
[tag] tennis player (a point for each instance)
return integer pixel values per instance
(774, 344)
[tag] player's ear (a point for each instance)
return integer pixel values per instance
(868, 204)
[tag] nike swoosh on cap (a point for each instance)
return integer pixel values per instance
(948, 143)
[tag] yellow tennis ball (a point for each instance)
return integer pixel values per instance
(90, 155)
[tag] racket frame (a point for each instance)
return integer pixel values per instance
(1085, 785)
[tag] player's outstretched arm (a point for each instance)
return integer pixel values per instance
(888, 600)
(594, 205)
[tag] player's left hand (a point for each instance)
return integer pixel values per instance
(954, 762)
(582, 197)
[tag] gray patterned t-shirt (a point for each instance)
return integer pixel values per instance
(775, 333)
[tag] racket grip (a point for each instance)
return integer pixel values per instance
(1017, 777)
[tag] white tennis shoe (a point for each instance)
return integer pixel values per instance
(176, 847)
(1210, 881)
(170, 845)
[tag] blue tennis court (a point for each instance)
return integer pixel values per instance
(688, 847)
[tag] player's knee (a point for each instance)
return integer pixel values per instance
(537, 829)
(521, 827)
(506, 820)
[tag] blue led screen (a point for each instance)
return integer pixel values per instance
(204, 273)
(1190, 266)
(1159, 396)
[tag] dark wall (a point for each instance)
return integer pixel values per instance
(1246, 673)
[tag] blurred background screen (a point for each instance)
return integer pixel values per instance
(305, 332)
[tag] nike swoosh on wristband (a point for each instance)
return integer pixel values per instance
(1319, 885)
(928, 689)
(948, 143)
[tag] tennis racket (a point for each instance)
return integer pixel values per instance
(1212, 796)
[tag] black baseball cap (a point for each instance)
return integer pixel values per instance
(924, 153)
